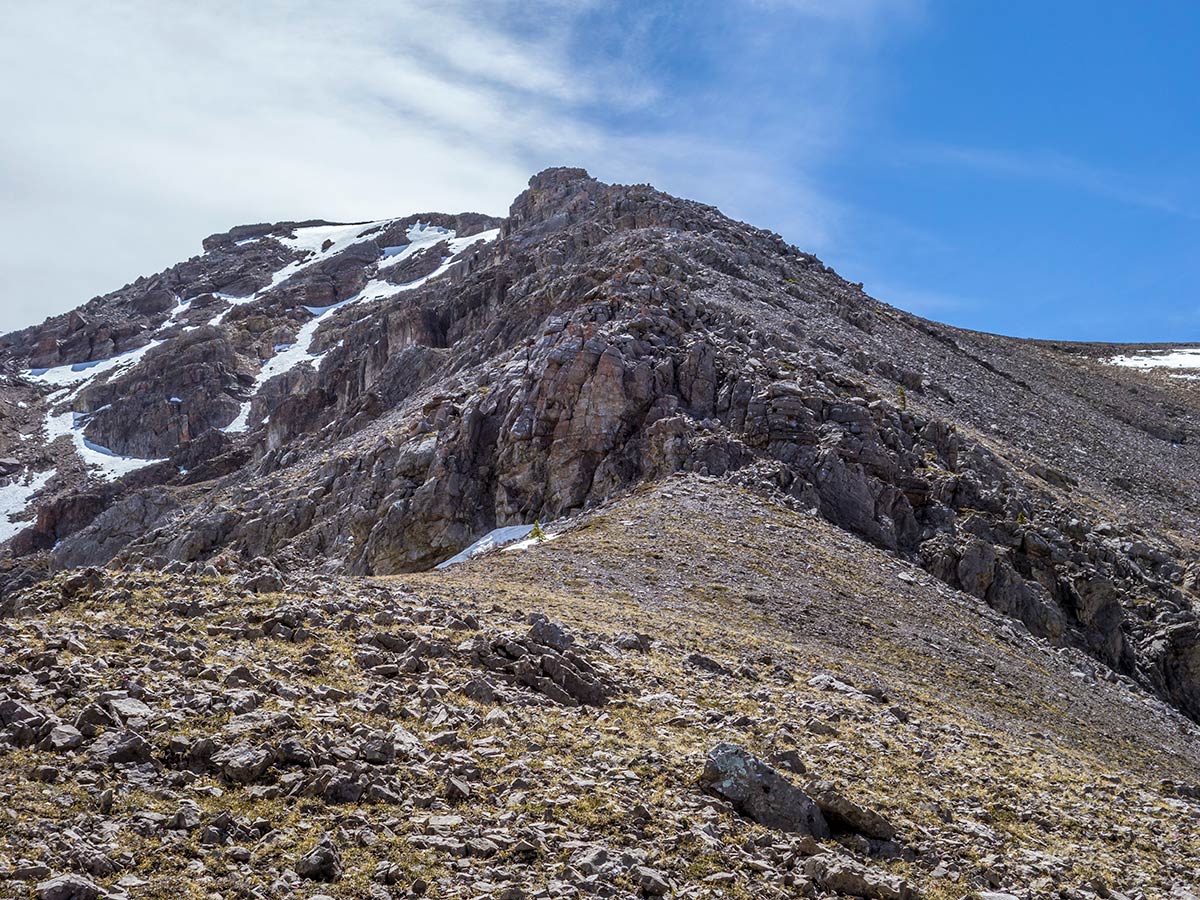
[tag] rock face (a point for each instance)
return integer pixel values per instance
(759, 792)
(371, 398)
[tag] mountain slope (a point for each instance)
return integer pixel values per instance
(372, 398)
(358, 737)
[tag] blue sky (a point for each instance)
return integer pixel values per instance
(1019, 167)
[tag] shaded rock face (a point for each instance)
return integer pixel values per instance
(180, 391)
(390, 391)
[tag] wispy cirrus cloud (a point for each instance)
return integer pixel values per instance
(1058, 168)
(151, 123)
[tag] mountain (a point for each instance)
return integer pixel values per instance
(937, 585)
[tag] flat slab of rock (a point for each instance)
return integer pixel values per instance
(130, 708)
(843, 875)
(760, 793)
(65, 737)
(115, 747)
(243, 762)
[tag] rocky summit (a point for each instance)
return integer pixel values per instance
(612, 548)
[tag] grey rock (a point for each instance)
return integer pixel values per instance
(842, 813)
(590, 860)
(844, 875)
(243, 763)
(543, 631)
(633, 641)
(68, 887)
(187, 817)
(321, 863)
(760, 793)
(652, 882)
(126, 708)
(706, 664)
(65, 737)
(116, 747)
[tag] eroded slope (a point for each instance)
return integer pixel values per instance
(378, 737)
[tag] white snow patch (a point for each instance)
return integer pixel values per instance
(493, 540)
(14, 500)
(288, 356)
(233, 302)
(1183, 358)
(180, 306)
(530, 542)
(241, 423)
(73, 377)
(420, 237)
(377, 289)
(458, 245)
(107, 463)
(312, 241)
(70, 380)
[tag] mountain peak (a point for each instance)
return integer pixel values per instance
(661, 497)
(374, 396)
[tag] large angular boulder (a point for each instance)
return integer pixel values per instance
(760, 793)
(843, 814)
(321, 863)
(243, 763)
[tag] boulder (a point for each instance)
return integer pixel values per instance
(760, 793)
(321, 863)
(68, 887)
(65, 737)
(116, 747)
(243, 763)
(843, 814)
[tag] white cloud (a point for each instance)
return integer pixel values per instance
(143, 125)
